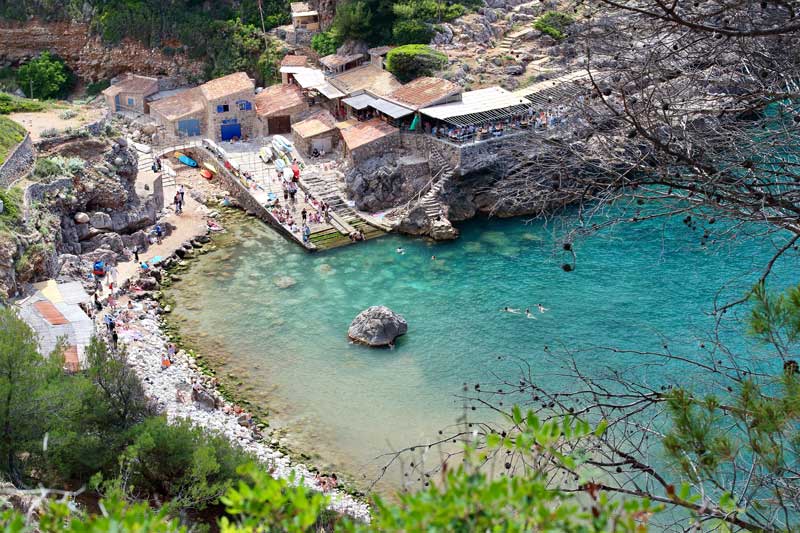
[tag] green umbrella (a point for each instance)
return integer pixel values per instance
(414, 123)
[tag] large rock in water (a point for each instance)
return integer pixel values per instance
(377, 326)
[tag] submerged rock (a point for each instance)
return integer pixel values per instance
(284, 282)
(377, 326)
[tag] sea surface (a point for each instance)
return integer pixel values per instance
(637, 286)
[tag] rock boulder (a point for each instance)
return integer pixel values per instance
(377, 326)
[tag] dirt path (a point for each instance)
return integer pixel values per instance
(37, 122)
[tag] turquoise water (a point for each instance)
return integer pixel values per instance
(346, 405)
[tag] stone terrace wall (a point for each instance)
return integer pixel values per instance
(18, 163)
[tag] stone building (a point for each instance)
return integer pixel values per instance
(304, 18)
(336, 63)
(278, 107)
(425, 92)
(229, 106)
(368, 139)
(317, 132)
(130, 92)
(182, 115)
(289, 64)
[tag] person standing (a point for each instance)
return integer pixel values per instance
(182, 192)
(304, 215)
(114, 339)
(177, 201)
(136, 253)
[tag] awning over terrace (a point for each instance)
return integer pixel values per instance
(479, 107)
(362, 101)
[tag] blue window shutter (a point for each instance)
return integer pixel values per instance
(219, 109)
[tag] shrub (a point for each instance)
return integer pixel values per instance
(51, 167)
(414, 60)
(97, 87)
(412, 31)
(181, 462)
(45, 76)
(12, 104)
(11, 134)
(324, 43)
(553, 24)
(48, 133)
(68, 114)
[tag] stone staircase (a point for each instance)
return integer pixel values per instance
(430, 201)
(344, 219)
(506, 44)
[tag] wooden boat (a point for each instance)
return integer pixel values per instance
(284, 141)
(210, 167)
(280, 164)
(207, 174)
(265, 154)
(279, 146)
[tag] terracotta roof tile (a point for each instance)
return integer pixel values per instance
(133, 84)
(366, 132)
(425, 91)
(277, 99)
(320, 122)
(182, 104)
(369, 77)
(292, 60)
(227, 85)
(335, 60)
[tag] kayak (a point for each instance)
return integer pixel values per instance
(145, 149)
(206, 174)
(188, 161)
(281, 139)
(265, 154)
(279, 146)
(279, 164)
(211, 168)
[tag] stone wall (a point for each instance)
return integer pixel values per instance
(386, 144)
(18, 163)
(247, 119)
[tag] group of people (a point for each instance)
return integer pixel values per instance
(528, 312)
(542, 119)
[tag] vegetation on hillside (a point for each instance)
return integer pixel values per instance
(45, 76)
(414, 60)
(11, 134)
(554, 24)
(13, 104)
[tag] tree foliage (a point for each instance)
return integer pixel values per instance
(45, 76)
(554, 24)
(413, 60)
(324, 43)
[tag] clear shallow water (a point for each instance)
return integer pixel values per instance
(347, 404)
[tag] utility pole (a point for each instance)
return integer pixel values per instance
(31, 82)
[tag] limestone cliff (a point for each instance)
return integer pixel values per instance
(86, 54)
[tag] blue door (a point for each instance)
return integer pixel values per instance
(190, 127)
(116, 102)
(229, 131)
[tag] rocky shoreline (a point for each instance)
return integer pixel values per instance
(184, 390)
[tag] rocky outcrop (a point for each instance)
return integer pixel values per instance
(386, 181)
(377, 326)
(87, 55)
(442, 230)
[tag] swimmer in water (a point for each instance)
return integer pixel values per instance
(433, 258)
(542, 308)
(529, 314)
(400, 250)
(509, 310)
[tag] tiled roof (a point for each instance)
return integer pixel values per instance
(50, 313)
(366, 132)
(180, 105)
(292, 60)
(227, 85)
(133, 84)
(320, 122)
(425, 91)
(335, 60)
(369, 77)
(380, 50)
(277, 99)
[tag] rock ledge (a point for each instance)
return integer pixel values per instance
(377, 326)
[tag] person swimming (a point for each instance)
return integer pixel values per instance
(400, 250)
(542, 308)
(510, 310)
(529, 314)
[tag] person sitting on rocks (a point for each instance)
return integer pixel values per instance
(165, 363)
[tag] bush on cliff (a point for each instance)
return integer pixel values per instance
(553, 24)
(414, 60)
(324, 43)
(11, 134)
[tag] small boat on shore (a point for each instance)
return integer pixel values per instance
(279, 146)
(284, 141)
(280, 164)
(210, 167)
(188, 161)
(265, 154)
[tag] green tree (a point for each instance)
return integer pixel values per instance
(28, 398)
(553, 24)
(414, 60)
(324, 43)
(43, 77)
(353, 20)
(412, 31)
